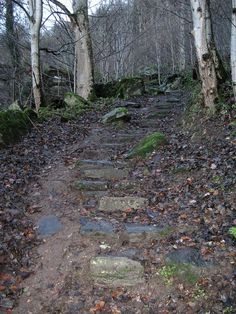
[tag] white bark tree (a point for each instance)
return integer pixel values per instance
(205, 58)
(35, 20)
(83, 83)
(233, 47)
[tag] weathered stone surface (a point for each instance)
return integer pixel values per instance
(111, 204)
(106, 173)
(48, 225)
(72, 100)
(83, 185)
(96, 228)
(138, 232)
(116, 271)
(186, 256)
(127, 185)
(117, 114)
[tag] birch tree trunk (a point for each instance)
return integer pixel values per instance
(35, 20)
(83, 50)
(233, 47)
(204, 55)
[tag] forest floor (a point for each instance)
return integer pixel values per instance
(85, 230)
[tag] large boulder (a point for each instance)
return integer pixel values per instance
(117, 114)
(74, 100)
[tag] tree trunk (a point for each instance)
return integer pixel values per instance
(182, 51)
(83, 50)
(220, 70)
(204, 55)
(35, 12)
(233, 47)
(13, 48)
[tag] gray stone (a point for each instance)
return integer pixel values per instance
(48, 225)
(116, 271)
(90, 163)
(173, 100)
(111, 204)
(186, 255)
(83, 185)
(97, 228)
(117, 114)
(106, 173)
(130, 104)
(138, 232)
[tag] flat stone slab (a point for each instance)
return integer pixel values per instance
(112, 204)
(186, 255)
(48, 225)
(106, 173)
(138, 232)
(111, 271)
(96, 228)
(85, 185)
(173, 100)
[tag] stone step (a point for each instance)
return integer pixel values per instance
(96, 227)
(85, 185)
(139, 232)
(112, 204)
(173, 100)
(111, 271)
(91, 163)
(106, 173)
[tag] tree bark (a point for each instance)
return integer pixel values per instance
(13, 48)
(204, 55)
(84, 72)
(233, 47)
(182, 51)
(35, 13)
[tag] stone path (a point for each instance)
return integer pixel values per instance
(89, 242)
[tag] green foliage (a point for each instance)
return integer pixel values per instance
(232, 232)
(147, 145)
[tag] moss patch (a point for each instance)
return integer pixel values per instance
(148, 145)
(183, 272)
(75, 107)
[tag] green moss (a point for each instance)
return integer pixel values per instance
(184, 272)
(13, 124)
(232, 232)
(74, 100)
(148, 145)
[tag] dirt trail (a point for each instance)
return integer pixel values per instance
(127, 236)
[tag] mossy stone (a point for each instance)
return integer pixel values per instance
(74, 100)
(117, 114)
(147, 145)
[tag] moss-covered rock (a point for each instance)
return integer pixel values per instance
(125, 88)
(13, 124)
(130, 87)
(117, 114)
(147, 145)
(74, 100)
